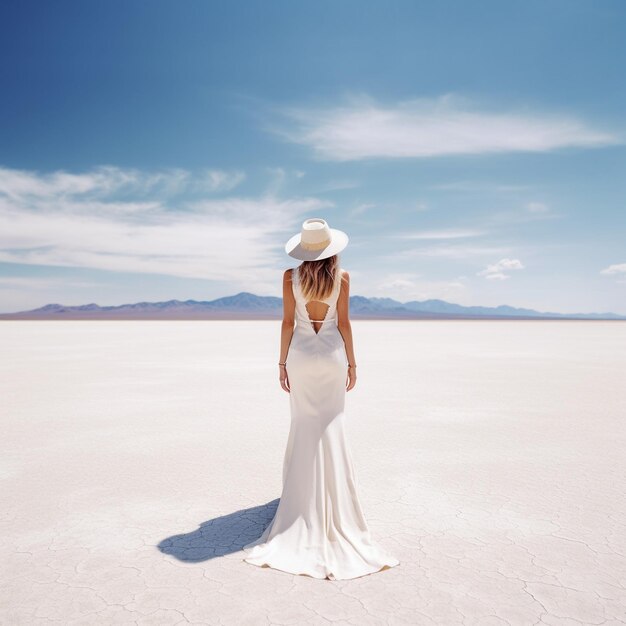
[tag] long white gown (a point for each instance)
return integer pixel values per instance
(319, 528)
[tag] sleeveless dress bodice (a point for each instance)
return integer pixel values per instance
(302, 315)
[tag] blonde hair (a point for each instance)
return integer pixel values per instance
(318, 278)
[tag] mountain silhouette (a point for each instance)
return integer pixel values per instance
(246, 305)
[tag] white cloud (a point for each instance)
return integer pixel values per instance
(450, 251)
(361, 208)
(441, 234)
(34, 282)
(430, 127)
(516, 216)
(620, 268)
(477, 185)
(219, 180)
(278, 178)
(397, 282)
(106, 180)
(537, 207)
(409, 286)
(47, 220)
(496, 271)
(337, 185)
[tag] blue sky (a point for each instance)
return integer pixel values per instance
(473, 151)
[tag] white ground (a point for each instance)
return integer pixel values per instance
(138, 457)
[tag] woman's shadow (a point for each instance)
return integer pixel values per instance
(222, 535)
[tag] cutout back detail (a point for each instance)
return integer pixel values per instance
(319, 321)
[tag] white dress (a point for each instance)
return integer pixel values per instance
(319, 528)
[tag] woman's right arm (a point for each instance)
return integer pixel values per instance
(286, 332)
(345, 328)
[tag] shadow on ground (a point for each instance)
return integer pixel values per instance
(222, 535)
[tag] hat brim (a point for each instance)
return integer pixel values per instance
(338, 241)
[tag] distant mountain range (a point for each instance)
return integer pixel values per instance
(247, 305)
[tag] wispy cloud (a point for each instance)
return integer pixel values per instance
(441, 234)
(47, 220)
(496, 271)
(219, 180)
(337, 185)
(449, 251)
(106, 180)
(405, 286)
(278, 176)
(530, 212)
(361, 208)
(477, 185)
(34, 282)
(431, 127)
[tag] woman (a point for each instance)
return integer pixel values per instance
(319, 528)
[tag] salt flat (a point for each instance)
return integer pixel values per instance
(137, 458)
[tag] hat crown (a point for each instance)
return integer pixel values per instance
(315, 234)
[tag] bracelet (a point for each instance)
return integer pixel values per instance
(282, 363)
(351, 365)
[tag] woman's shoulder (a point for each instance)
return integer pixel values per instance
(289, 274)
(344, 278)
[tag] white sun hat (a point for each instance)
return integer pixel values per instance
(316, 241)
